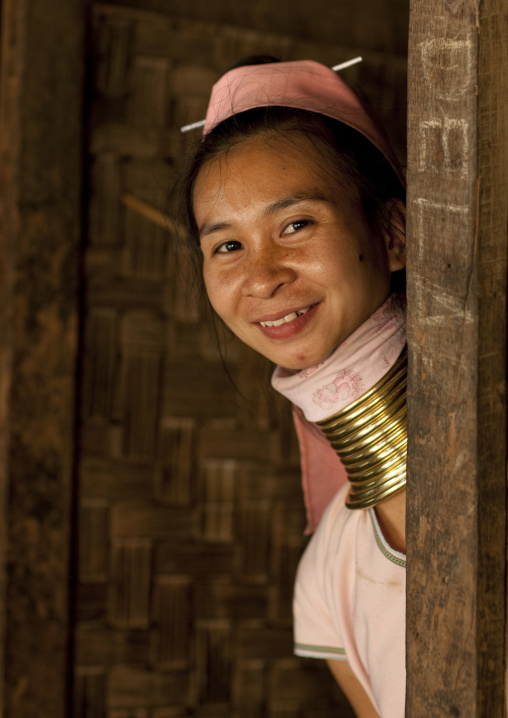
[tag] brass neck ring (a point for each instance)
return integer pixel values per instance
(370, 437)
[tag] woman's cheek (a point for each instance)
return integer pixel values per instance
(219, 288)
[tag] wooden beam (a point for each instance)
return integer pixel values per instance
(40, 188)
(457, 245)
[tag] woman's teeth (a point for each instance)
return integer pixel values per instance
(286, 319)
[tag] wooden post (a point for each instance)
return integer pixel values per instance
(40, 185)
(457, 244)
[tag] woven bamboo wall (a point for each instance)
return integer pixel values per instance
(190, 510)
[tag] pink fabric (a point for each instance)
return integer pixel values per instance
(349, 603)
(352, 369)
(322, 471)
(304, 85)
(321, 391)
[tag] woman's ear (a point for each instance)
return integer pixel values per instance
(395, 233)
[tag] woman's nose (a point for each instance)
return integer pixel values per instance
(266, 272)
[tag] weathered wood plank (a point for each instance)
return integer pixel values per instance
(40, 184)
(458, 186)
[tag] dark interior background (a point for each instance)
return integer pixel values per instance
(190, 511)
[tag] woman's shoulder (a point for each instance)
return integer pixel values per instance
(335, 535)
(337, 518)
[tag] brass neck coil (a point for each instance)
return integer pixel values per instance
(370, 437)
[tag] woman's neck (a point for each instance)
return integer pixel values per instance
(357, 397)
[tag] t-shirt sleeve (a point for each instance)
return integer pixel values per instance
(316, 630)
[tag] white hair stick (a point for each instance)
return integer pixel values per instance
(193, 126)
(343, 65)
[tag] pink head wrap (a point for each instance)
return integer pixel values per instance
(304, 85)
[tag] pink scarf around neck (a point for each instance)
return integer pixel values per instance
(322, 390)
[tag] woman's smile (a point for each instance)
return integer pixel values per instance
(289, 325)
(285, 319)
(290, 263)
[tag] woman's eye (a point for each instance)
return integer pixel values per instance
(293, 227)
(227, 247)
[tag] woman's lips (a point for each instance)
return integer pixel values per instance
(286, 319)
(288, 325)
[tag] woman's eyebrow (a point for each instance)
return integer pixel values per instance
(210, 228)
(294, 199)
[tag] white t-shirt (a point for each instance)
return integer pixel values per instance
(350, 600)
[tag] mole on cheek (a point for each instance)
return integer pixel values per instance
(360, 258)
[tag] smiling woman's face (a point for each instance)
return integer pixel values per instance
(289, 261)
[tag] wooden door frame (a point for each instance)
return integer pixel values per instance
(41, 144)
(456, 323)
(457, 246)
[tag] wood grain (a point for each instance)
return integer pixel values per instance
(42, 84)
(457, 172)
